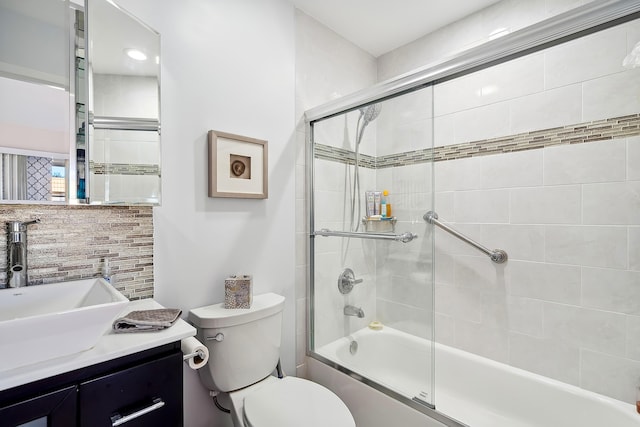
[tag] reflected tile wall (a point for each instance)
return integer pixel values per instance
(72, 243)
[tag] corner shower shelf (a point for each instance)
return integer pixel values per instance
(379, 225)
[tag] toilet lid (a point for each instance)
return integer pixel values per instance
(294, 402)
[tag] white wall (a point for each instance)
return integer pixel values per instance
(227, 66)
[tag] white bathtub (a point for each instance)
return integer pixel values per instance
(471, 389)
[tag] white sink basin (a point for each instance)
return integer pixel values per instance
(43, 322)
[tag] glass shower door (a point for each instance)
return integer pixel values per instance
(371, 267)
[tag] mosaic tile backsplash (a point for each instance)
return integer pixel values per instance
(72, 242)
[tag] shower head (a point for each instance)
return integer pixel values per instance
(367, 115)
(370, 113)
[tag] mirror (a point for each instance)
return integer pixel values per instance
(34, 100)
(78, 125)
(124, 107)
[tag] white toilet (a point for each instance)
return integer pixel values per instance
(244, 349)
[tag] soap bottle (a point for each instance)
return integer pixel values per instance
(385, 205)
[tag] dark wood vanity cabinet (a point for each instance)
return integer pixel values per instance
(140, 390)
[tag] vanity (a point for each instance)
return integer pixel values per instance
(131, 379)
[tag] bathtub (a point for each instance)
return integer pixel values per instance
(470, 389)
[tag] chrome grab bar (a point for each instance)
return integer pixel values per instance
(404, 237)
(497, 255)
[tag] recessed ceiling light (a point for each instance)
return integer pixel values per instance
(135, 54)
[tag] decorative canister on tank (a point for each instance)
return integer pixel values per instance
(238, 291)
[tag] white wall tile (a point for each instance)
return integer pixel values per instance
(444, 329)
(505, 81)
(524, 316)
(612, 376)
(585, 163)
(633, 158)
(458, 175)
(592, 329)
(548, 109)
(548, 357)
(586, 58)
(520, 169)
(546, 205)
(591, 246)
(443, 131)
(521, 242)
(486, 206)
(611, 290)
(634, 248)
(444, 204)
(611, 96)
(611, 203)
(460, 302)
(318, 49)
(479, 123)
(548, 282)
(633, 332)
(478, 273)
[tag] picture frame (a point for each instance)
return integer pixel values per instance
(238, 166)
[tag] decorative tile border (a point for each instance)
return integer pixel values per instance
(600, 130)
(340, 155)
(72, 242)
(123, 169)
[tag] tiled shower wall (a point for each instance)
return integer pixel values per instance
(73, 242)
(565, 305)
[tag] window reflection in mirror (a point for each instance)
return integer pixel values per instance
(34, 98)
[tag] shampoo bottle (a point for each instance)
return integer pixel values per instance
(385, 205)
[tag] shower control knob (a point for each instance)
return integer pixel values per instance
(346, 280)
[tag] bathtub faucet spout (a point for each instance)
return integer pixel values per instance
(350, 310)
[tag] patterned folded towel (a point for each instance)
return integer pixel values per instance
(147, 320)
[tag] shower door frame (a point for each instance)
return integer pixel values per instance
(576, 23)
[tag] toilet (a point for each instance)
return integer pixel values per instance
(244, 349)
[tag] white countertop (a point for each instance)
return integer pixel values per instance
(110, 346)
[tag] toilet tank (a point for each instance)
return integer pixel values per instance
(247, 347)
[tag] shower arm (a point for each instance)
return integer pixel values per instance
(497, 255)
(404, 237)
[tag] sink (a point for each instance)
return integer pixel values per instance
(42, 322)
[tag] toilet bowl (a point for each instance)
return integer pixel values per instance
(244, 349)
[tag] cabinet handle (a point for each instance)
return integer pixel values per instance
(118, 419)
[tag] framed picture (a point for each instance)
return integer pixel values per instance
(237, 166)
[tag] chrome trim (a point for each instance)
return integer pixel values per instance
(124, 123)
(346, 281)
(423, 407)
(118, 419)
(403, 237)
(497, 255)
(574, 23)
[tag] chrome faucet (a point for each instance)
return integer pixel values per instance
(17, 253)
(350, 310)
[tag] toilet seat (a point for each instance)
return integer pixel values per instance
(294, 402)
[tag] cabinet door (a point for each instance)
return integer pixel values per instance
(149, 394)
(55, 409)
